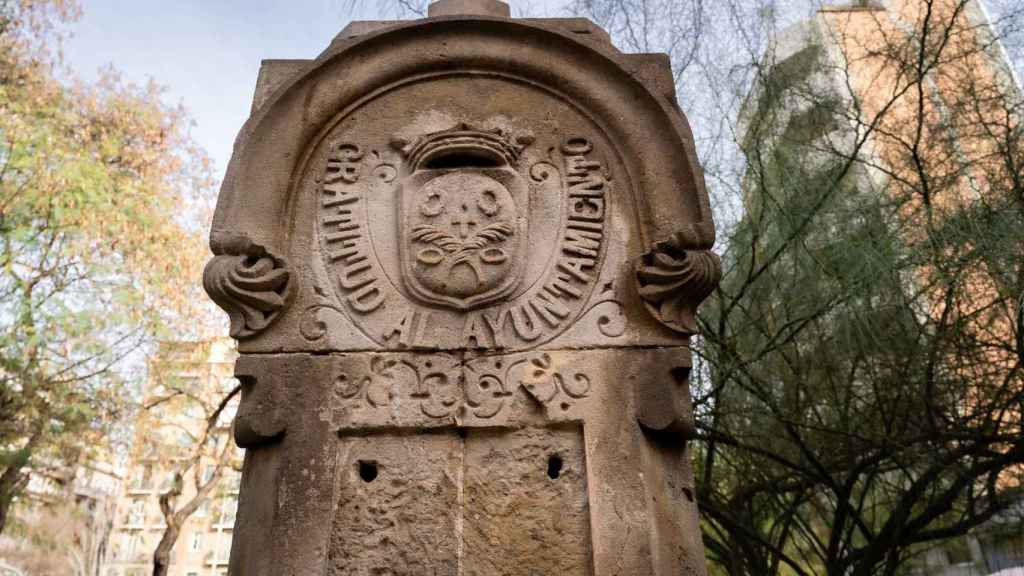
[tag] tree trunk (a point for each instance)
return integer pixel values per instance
(162, 554)
(11, 482)
(99, 551)
(5, 505)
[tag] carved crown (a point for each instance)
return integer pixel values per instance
(463, 145)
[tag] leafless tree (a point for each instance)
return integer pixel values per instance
(861, 397)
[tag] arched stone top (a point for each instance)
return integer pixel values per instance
(631, 97)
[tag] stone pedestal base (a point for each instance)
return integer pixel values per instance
(550, 482)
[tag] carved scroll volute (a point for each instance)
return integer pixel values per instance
(675, 276)
(251, 286)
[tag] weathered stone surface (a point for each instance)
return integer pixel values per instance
(462, 7)
(462, 256)
(474, 503)
(398, 504)
(526, 497)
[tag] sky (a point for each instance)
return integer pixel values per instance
(207, 53)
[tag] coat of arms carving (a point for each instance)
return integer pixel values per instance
(463, 220)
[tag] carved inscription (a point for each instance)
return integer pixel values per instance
(344, 228)
(462, 239)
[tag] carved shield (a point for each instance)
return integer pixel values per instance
(463, 234)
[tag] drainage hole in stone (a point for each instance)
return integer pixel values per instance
(368, 470)
(554, 466)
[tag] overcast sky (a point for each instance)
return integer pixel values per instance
(207, 52)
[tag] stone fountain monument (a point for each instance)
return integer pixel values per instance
(462, 258)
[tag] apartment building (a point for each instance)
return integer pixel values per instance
(856, 57)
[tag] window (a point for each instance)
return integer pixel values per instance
(143, 479)
(197, 541)
(230, 510)
(1012, 546)
(958, 552)
(184, 439)
(133, 546)
(228, 384)
(228, 414)
(234, 481)
(137, 511)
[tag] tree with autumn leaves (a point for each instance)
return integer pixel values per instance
(98, 256)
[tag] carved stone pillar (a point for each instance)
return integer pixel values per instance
(462, 257)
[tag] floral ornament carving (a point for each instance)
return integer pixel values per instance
(251, 287)
(677, 275)
(463, 251)
(547, 379)
(377, 385)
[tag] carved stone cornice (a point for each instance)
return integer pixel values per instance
(663, 404)
(261, 417)
(676, 275)
(250, 285)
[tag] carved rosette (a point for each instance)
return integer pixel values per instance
(251, 287)
(673, 280)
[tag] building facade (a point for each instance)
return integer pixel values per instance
(63, 520)
(851, 61)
